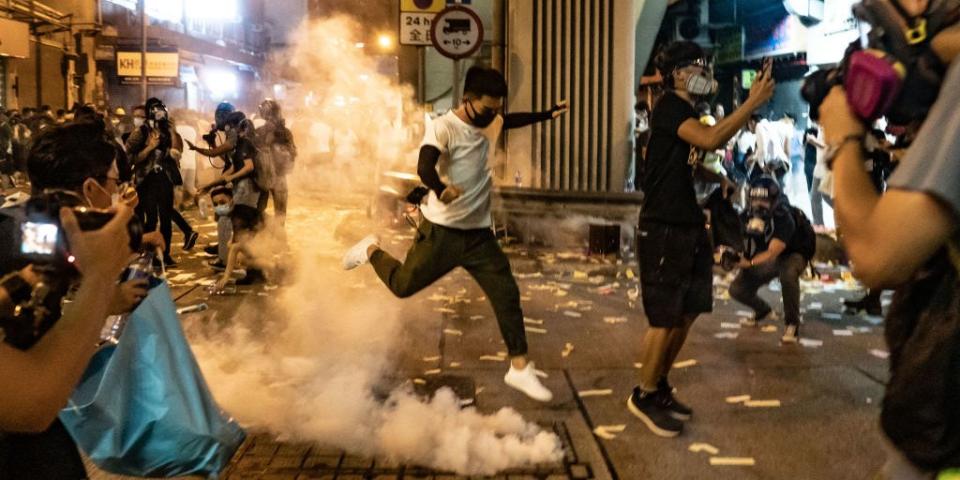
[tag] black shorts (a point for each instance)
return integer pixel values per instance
(676, 272)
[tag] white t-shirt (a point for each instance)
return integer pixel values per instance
(464, 162)
(770, 143)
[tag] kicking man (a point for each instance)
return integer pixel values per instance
(455, 230)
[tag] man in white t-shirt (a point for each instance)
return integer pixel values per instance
(455, 230)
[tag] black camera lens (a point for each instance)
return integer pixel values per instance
(90, 219)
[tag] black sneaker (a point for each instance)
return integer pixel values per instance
(169, 262)
(646, 406)
(217, 265)
(869, 304)
(670, 403)
(190, 241)
(212, 249)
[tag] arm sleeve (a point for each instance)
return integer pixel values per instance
(784, 228)
(518, 120)
(427, 168)
(932, 163)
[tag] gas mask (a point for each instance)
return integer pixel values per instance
(222, 210)
(759, 221)
(480, 120)
(702, 84)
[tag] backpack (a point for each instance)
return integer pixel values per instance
(805, 238)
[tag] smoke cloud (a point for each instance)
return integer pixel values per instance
(306, 365)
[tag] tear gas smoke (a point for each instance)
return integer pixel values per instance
(306, 366)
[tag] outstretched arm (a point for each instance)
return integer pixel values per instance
(523, 119)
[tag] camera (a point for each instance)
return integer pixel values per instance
(38, 239)
(727, 257)
(892, 71)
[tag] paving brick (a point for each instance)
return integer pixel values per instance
(286, 462)
(293, 450)
(315, 476)
(579, 471)
(263, 449)
(356, 463)
(252, 462)
(279, 476)
(321, 462)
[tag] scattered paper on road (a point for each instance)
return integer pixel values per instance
(738, 399)
(811, 343)
(615, 320)
(431, 359)
(607, 432)
(435, 371)
(492, 358)
(444, 310)
(572, 314)
(842, 333)
(419, 381)
(536, 330)
(567, 350)
(532, 321)
(768, 328)
(732, 461)
(762, 403)
(703, 447)
(729, 335)
(744, 313)
(561, 293)
(452, 331)
(816, 306)
(594, 393)
(476, 317)
(831, 316)
(880, 353)
(730, 325)
(455, 364)
(685, 363)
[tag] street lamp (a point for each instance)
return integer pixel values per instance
(385, 41)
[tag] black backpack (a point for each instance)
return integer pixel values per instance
(805, 238)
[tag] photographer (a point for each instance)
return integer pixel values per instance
(676, 257)
(779, 245)
(907, 236)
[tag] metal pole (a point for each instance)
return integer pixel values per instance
(422, 64)
(143, 52)
(456, 84)
(499, 40)
(39, 54)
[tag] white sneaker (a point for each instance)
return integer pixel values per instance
(527, 382)
(790, 335)
(357, 255)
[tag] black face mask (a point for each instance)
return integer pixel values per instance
(480, 120)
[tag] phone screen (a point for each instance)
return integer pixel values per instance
(39, 238)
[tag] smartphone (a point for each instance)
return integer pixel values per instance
(38, 239)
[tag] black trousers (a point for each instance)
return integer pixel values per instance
(156, 205)
(50, 455)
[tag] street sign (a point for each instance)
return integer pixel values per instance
(415, 28)
(421, 6)
(457, 32)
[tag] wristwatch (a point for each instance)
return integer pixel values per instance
(17, 288)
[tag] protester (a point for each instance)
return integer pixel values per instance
(455, 229)
(907, 236)
(275, 141)
(779, 245)
(676, 258)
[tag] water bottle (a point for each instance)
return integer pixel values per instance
(141, 268)
(518, 179)
(203, 204)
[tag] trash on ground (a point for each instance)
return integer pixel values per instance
(455, 364)
(762, 403)
(431, 359)
(831, 316)
(476, 317)
(532, 321)
(768, 328)
(811, 343)
(435, 371)
(703, 447)
(685, 363)
(816, 306)
(615, 320)
(607, 432)
(536, 330)
(419, 381)
(744, 313)
(880, 353)
(842, 333)
(730, 325)
(595, 393)
(732, 461)
(567, 350)
(728, 335)
(452, 331)
(492, 358)
(738, 399)
(444, 310)
(572, 314)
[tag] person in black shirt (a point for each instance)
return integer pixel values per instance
(772, 238)
(675, 255)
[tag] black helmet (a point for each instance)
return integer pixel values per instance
(765, 188)
(156, 110)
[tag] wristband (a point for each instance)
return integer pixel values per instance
(17, 288)
(833, 150)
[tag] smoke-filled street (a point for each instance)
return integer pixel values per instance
(314, 364)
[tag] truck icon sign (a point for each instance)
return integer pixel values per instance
(455, 25)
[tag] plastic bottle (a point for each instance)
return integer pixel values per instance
(141, 268)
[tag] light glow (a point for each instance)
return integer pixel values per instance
(385, 41)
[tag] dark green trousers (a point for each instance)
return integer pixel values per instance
(437, 250)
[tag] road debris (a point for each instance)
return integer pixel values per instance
(453, 331)
(419, 381)
(595, 393)
(567, 350)
(444, 310)
(476, 317)
(532, 321)
(492, 358)
(811, 343)
(455, 364)
(738, 399)
(703, 447)
(432, 359)
(769, 329)
(732, 461)
(762, 403)
(435, 371)
(607, 432)
(615, 320)
(880, 353)
(685, 363)
(730, 325)
(728, 335)
(842, 333)
(572, 314)
(536, 330)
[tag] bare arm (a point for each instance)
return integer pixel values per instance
(887, 237)
(242, 172)
(773, 251)
(39, 381)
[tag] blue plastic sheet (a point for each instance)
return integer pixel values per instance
(143, 407)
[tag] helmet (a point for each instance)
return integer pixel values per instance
(764, 188)
(156, 110)
(220, 115)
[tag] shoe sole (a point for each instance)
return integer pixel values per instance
(527, 394)
(648, 421)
